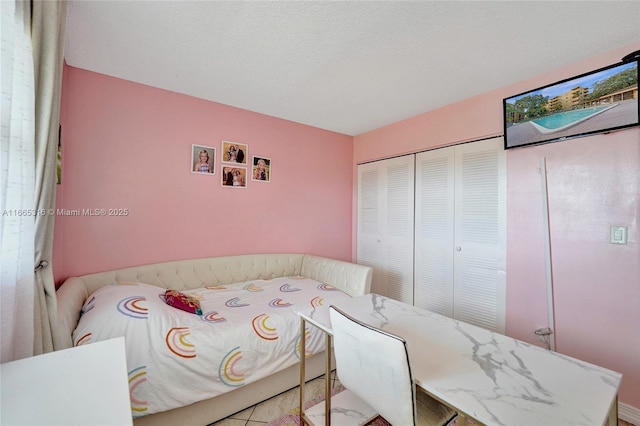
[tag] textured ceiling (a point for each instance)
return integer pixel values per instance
(345, 66)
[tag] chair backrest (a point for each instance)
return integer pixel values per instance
(374, 365)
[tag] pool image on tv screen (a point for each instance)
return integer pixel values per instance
(596, 102)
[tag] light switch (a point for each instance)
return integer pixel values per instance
(618, 235)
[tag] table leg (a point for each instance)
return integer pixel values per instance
(327, 382)
(302, 369)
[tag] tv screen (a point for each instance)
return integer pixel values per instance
(596, 102)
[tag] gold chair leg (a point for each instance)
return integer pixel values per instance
(327, 381)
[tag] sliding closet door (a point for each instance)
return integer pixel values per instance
(434, 226)
(385, 225)
(480, 234)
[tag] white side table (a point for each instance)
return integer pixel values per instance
(85, 385)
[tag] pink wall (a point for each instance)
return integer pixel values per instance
(126, 145)
(594, 183)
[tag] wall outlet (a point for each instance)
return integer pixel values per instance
(618, 235)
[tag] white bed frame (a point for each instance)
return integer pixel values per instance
(351, 278)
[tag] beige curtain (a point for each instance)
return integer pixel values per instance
(48, 21)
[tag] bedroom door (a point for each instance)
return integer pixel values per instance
(460, 232)
(385, 225)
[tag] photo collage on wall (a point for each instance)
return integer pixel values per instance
(235, 167)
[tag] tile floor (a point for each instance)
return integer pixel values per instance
(430, 412)
(273, 408)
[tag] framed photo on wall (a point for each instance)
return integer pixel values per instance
(234, 152)
(203, 159)
(261, 170)
(234, 177)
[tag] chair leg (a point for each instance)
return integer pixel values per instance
(327, 380)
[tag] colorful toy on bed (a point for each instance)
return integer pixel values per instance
(182, 301)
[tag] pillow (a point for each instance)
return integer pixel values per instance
(182, 301)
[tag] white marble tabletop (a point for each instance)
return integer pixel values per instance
(490, 377)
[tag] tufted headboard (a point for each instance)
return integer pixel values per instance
(349, 277)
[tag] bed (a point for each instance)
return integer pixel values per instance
(241, 348)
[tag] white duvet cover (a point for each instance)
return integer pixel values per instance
(174, 358)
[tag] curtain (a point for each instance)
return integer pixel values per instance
(17, 183)
(47, 34)
(32, 40)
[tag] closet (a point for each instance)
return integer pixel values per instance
(385, 225)
(433, 227)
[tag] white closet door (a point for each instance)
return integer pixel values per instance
(385, 225)
(434, 226)
(480, 234)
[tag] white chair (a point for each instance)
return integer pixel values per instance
(373, 365)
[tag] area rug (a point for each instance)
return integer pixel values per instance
(293, 417)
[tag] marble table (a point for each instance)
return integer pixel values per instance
(486, 376)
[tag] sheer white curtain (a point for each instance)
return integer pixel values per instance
(17, 183)
(32, 40)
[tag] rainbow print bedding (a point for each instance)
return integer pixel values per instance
(247, 331)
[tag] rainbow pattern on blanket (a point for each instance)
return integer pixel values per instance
(138, 377)
(228, 371)
(84, 339)
(316, 302)
(212, 316)
(132, 307)
(253, 287)
(177, 342)
(279, 303)
(298, 346)
(216, 287)
(326, 287)
(262, 329)
(235, 303)
(287, 288)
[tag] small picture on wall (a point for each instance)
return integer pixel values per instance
(234, 152)
(261, 170)
(203, 159)
(235, 177)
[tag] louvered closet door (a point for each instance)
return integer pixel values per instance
(434, 225)
(460, 232)
(480, 234)
(385, 225)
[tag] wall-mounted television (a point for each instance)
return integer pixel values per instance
(595, 102)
